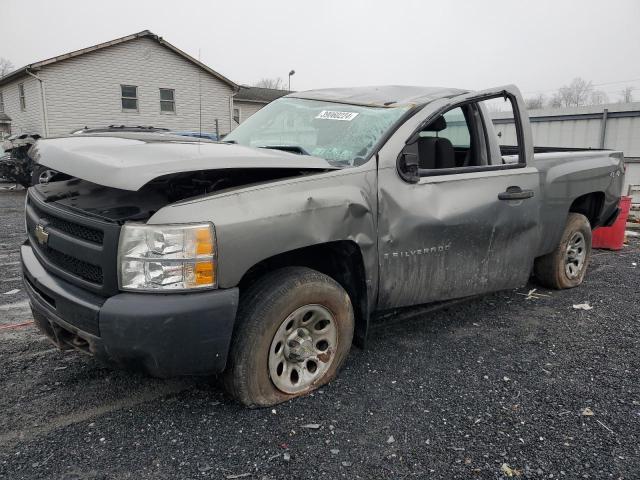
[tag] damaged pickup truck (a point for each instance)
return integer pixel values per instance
(266, 256)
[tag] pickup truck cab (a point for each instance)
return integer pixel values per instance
(265, 256)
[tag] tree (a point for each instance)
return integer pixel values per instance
(5, 66)
(626, 94)
(578, 93)
(536, 102)
(275, 83)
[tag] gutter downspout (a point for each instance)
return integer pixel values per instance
(43, 95)
(231, 127)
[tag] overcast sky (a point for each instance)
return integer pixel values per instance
(538, 45)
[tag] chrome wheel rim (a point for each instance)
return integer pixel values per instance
(575, 255)
(303, 349)
(46, 176)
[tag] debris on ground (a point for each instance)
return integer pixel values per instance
(286, 456)
(312, 426)
(587, 412)
(582, 306)
(533, 294)
(12, 292)
(510, 472)
(611, 431)
(391, 439)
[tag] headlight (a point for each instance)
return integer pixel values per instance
(167, 257)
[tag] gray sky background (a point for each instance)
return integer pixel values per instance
(538, 45)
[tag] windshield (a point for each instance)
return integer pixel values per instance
(342, 134)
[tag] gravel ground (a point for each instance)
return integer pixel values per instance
(483, 389)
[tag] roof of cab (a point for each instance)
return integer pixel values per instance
(380, 96)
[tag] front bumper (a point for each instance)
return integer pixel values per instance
(162, 334)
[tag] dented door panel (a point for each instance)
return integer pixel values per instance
(451, 237)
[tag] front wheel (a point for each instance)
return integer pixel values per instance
(566, 266)
(43, 175)
(294, 331)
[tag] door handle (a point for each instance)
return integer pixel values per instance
(515, 193)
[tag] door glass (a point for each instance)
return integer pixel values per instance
(456, 129)
(502, 131)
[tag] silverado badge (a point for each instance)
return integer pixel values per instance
(41, 234)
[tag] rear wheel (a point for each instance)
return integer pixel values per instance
(566, 266)
(294, 331)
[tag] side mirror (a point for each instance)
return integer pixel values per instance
(407, 163)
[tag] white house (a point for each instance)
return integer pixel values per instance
(139, 79)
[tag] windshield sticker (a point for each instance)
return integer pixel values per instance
(331, 115)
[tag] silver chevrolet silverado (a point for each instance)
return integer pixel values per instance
(267, 255)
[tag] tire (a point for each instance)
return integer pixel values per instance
(554, 270)
(43, 175)
(291, 295)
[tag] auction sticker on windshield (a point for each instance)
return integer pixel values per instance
(331, 115)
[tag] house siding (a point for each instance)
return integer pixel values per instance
(247, 108)
(85, 90)
(29, 120)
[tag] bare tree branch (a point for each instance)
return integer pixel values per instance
(5, 66)
(577, 94)
(275, 83)
(536, 102)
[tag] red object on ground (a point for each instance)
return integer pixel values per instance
(612, 238)
(15, 325)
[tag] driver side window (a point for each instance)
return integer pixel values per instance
(452, 140)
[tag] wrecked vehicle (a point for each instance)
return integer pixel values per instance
(265, 256)
(15, 164)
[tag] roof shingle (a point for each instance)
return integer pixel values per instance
(259, 94)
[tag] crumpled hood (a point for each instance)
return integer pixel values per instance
(129, 163)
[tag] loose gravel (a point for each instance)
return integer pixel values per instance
(504, 386)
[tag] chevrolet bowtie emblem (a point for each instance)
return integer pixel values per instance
(41, 234)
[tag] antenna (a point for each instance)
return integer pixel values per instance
(200, 95)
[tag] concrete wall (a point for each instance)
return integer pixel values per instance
(28, 120)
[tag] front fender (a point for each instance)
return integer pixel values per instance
(259, 222)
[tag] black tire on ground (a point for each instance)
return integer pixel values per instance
(550, 269)
(263, 308)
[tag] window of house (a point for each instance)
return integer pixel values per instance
(23, 102)
(1, 103)
(167, 100)
(236, 115)
(129, 98)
